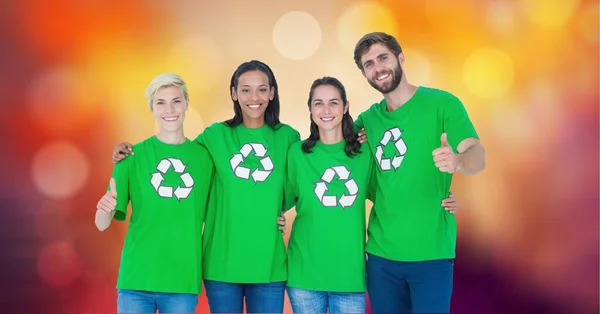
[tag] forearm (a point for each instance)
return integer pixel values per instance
(103, 219)
(472, 160)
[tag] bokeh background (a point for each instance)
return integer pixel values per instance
(72, 86)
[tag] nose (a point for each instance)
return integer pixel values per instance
(378, 67)
(327, 108)
(169, 108)
(254, 96)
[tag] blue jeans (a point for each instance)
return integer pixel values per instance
(224, 297)
(409, 287)
(310, 301)
(134, 301)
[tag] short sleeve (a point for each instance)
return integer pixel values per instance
(358, 123)
(122, 180)
(372, 189)
(208, 171)
(290, 190)
(456, 122)
(294, 137)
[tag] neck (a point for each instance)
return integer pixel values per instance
(171, 137)
(399, 96)
(331, 136)
(253, 123)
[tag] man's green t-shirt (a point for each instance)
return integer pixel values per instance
(242, 243)
(168, 186)
(326, 251)
(407, 222)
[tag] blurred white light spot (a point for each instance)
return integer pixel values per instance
(60, 170)
(501, 16)
(297, 35)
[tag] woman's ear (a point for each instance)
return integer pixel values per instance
(234, 94)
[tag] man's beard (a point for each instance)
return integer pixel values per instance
(395, 81)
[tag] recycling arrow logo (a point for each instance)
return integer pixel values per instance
(245, 172)
(180, 192)
(394, 135)
(346, 200)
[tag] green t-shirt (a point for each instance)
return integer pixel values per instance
(168, 186)
(326, 251)
(407, 222)
(242, 243)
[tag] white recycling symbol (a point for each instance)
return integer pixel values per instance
(180, 192)
(387, 163)
(244, 172)
(346, 200)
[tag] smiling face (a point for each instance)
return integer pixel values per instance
(327, 108)
(382, 68)
(169, 107)
(253, 93)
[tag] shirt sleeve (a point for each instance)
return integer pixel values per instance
(290, 189)
(209, 132)
(122, 181)
(201, 138)
(209, 171)
(293, 137)
(371, 192)
(456, 122)
(358, 123)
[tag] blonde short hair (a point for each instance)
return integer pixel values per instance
(165, 80)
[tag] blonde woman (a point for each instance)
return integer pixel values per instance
(167, 181)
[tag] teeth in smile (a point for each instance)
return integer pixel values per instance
(381, 77)
(171, 119)
(253, 106)
(326, 119)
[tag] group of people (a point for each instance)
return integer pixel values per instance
(212, 210)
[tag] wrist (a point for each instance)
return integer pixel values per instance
(459, 163)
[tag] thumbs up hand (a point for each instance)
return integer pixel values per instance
(108, 202)
(444, 156)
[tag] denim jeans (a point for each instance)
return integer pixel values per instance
(224, 297)
(409, 287)
(310, 301)
(134, 301)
